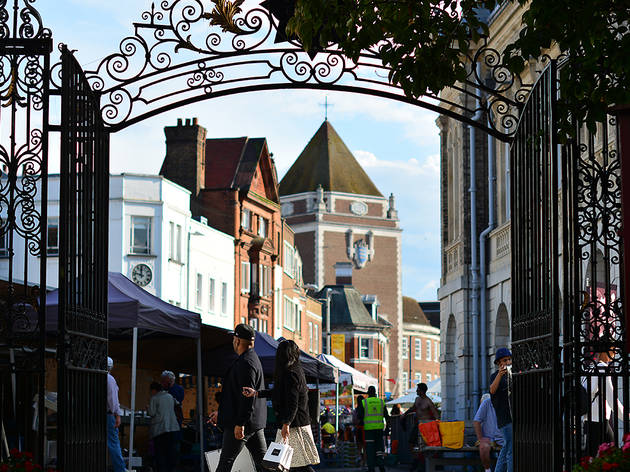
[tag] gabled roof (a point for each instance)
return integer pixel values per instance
(327, 161)
(347, 308)
(412, 313)
(232, 162)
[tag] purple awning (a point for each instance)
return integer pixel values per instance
(130, 306)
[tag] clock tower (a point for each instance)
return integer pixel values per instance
(340, 216)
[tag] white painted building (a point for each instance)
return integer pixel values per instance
(154, 241)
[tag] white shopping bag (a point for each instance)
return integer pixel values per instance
(243, 462)
(278, 457)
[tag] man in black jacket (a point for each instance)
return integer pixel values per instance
(242, 419)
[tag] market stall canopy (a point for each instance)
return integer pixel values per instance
(358, 379)
(217, 361)
(130, 306)
(434, 392)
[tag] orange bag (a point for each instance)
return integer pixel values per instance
(452, 433)
(430, 433)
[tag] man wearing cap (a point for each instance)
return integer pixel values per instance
(113, 420)
(242, 419)
(501, 394)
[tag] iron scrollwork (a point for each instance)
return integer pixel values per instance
(182, 51)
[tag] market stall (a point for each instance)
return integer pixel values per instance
(135, 313)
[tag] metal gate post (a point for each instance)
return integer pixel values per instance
(623, 136)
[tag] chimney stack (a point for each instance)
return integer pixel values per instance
(185, 158)
(343, 273)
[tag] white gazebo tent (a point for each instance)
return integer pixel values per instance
(434, 392)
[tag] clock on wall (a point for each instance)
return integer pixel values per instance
(142, 275)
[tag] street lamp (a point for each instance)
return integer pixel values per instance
(195, 233)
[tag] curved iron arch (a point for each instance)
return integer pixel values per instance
(175, 57)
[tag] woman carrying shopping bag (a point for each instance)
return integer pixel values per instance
(290, 403)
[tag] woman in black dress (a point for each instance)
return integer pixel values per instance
(290, 403)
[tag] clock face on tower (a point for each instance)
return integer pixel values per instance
(142, 275)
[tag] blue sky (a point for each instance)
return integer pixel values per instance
(398, 144)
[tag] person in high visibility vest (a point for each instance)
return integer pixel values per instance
(374, 418)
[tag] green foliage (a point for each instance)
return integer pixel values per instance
(593, 34)
(423, 41)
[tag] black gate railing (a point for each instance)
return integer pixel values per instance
(594, 328)
(570, 379)
(535, 289)
(82, 347)
(25, 47)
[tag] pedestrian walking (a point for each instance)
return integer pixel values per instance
(242, 419)
(164, 428)
(487, 431)
(290, 403)
(501, 395)
(113, 420)
(375, 416)
(599, 430)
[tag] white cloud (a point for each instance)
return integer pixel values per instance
(429, 167)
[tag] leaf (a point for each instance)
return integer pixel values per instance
(223, 15)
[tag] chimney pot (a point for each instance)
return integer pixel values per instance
(179, 121)
(187, 121)
(195, 121)
(343, 273)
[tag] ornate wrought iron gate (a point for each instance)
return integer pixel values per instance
(25, 47)
(535, 289)
(84, 201)
(567, 309)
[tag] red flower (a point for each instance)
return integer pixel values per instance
(626, 438)
(610, 466)
(605, 448)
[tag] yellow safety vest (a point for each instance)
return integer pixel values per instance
(373, 418)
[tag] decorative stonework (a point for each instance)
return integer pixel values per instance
(360, 252)
(453, 257)
(502, 241)
(359, 208)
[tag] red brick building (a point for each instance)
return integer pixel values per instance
(302, 314)
(420, 345)
(234, 187)
(339, 215)
(355, 316)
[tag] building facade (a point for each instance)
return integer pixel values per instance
(475, 286)
(359, 336)
(420, 346)
(234, 186)
(338, 215)
(301, 318)
(154, 241)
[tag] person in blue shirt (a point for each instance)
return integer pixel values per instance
(487, 431)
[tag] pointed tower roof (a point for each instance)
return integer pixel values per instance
(327, 161)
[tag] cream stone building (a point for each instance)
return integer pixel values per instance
(476, 254)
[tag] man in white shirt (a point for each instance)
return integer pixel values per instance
(487, 431)
(599, 430)
(113, 420)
